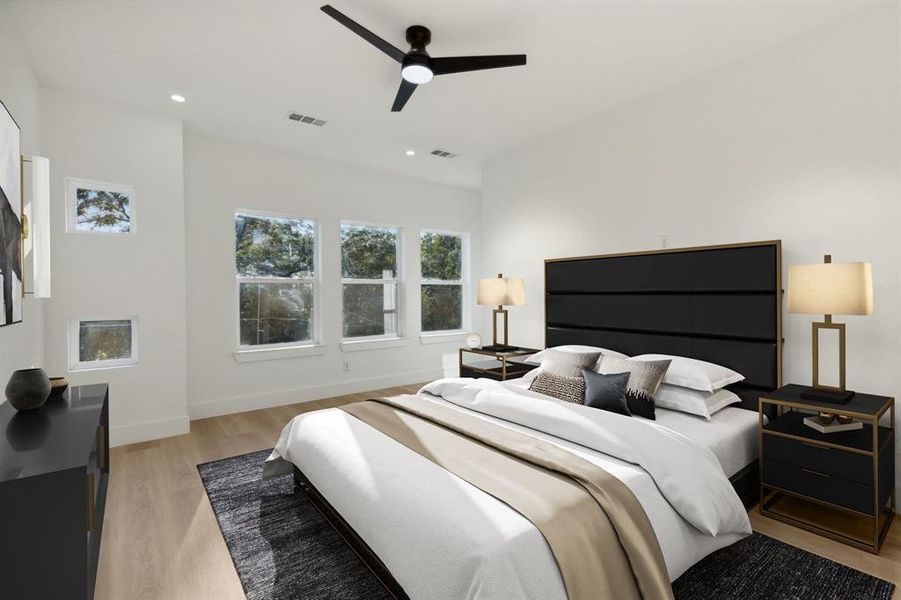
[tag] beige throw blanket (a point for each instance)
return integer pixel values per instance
(597, 530)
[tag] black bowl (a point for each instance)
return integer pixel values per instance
(58, 387)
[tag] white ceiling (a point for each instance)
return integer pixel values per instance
(244, 65)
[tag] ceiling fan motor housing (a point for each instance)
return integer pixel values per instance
(418, 37)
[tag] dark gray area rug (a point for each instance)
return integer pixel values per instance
(284, 549)
(761, 567)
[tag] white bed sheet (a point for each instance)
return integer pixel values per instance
(731, 434)
(449, 540)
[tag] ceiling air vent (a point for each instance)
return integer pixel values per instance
(443, 153)
(306, 119)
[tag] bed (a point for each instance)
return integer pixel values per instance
(429, 534)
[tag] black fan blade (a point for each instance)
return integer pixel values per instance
(403, 94)
(364, 33)
(460, 64)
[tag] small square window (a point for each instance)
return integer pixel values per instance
(97, 207)
(102, 343)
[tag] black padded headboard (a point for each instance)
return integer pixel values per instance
(721, 304)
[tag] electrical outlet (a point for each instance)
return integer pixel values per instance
(346, 366)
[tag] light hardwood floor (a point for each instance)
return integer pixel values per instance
(161, 539)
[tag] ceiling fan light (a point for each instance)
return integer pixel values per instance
(417, 74)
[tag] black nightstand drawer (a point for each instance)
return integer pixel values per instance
(820, 486)
(830, 461)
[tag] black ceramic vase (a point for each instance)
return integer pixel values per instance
(28, 389)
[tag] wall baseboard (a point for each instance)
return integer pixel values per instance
(225, 406)
(121, 435)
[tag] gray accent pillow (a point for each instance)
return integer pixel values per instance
(568, 364)
(571, 389)
(644, 380)
(606, 392)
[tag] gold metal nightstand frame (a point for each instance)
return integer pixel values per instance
(503, 357)
(879, 512)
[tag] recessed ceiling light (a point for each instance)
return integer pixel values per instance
(177, 98)
(410, 153)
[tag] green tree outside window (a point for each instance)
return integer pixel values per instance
(441, 258)
(275, 263)
(369, 280)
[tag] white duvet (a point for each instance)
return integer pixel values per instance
(442, 538)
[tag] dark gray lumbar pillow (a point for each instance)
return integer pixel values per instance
(571, 389)
(607, 392)
(644, 379)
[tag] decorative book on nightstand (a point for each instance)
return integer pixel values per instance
(477, 362)
(840, 485)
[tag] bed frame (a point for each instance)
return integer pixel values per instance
(722, 304)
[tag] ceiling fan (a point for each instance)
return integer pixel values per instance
(417, 67)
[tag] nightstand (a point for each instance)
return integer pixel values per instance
(840, 485)
(476, 362)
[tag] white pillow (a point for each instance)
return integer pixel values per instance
(694, 374)
(536, 358)
(694, 402)
(568, 364)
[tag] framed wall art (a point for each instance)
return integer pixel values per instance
(10, 220)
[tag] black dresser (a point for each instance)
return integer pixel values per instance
(54, 468)
(840, 485)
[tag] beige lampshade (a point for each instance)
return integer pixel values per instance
(831, 289)
(502, 291)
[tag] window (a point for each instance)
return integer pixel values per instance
(369, 278)
(441, 258)
(275, 261)
(96, 207)
(102, 343)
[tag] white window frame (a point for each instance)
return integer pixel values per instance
(72, 186)
(243, 353)
(92, 365)
(465, 305)
(348, 342)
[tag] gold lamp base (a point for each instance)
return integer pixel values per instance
(827, 393)
(495, 346)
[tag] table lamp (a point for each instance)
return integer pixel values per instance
(501, 291)
(830, 289)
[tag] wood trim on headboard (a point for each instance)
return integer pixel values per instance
(680, 297)
(777, 243)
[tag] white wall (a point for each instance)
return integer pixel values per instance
(800, 143)
(221, 178)
(21, 345)
(98, 276)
